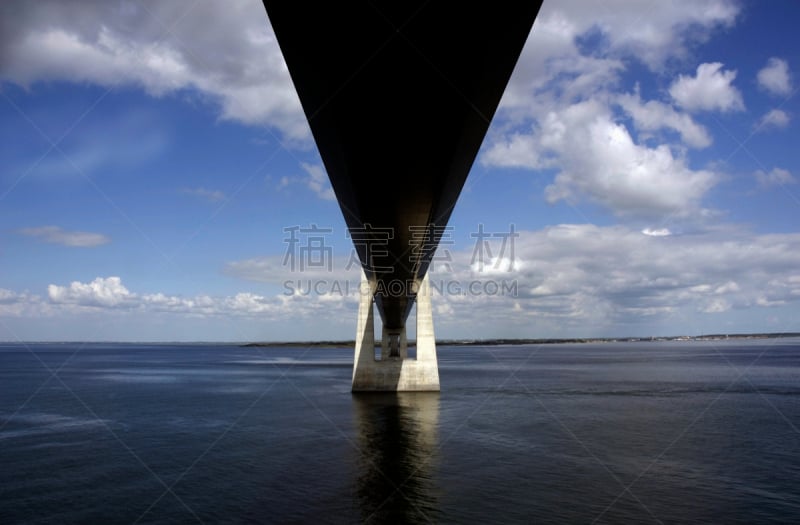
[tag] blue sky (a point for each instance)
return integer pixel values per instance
(153, 156)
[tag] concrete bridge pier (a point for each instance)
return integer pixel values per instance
(394, 371)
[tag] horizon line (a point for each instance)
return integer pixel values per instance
(443, 341)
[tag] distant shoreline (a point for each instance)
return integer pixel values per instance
(543, 341)
(441, 342)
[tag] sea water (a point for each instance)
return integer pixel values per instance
(645, 432)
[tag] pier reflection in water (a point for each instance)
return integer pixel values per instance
(397, 437)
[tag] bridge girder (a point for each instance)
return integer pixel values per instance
(399, 96)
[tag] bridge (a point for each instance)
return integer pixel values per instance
(399, 96)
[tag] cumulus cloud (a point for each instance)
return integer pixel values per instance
(654, 115)
(579, 275)
(553, 61)
(773, 119)
(564, 110)
(610, 168)
(597, 158)
(57, 235)
(775, 78)
(15, 304)
(585, 278)
(170, 46)
(105, 292)
(710, 89)
(7, 296)
(110, 294)
(775, 177)
(227, 52)
(569, 279)
(576, 272)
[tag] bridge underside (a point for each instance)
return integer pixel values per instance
(399, 96)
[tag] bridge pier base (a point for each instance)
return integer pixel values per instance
(394, 371)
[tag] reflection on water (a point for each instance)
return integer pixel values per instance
(604, 433)
(397, 439)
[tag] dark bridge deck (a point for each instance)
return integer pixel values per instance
(399, 96)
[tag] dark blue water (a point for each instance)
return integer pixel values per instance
(604, 433)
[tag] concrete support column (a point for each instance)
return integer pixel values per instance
(394, 372)
(365, 329)
(426, 340)
(424, 375)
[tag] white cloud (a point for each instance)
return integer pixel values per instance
(654, 115)
(14, 304)
(103, 292)
(585, 278)
(57, 235)
(570, 280)
(317, 181)
(710, 89)
(775, 118)
(657, 232)
(206, 194)
(563, 109)
(229, 52)
(715, 306)
(225, 51)
(552, 60)
(597, 158)
(775, 77)
(109, 294)
(775, 177)
(727, 287)
(7, 296)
